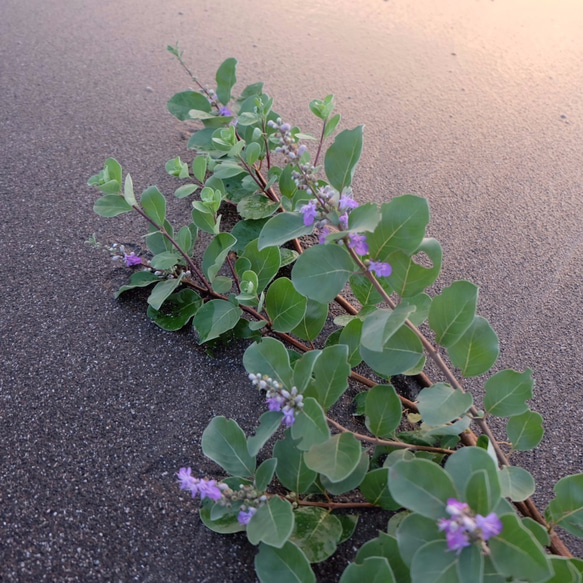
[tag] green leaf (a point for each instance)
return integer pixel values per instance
(470, 565)
(256, 206)
(284, 305)
(478, 493)
(162, 291)
(216, 253)
(138, 279)
(304, 368)
(351, 481)
(227, 170)
(291, 469)
(402, 351)
(176, 167)
(421, 486)
(272, 524)
(111, 205)
(205, 221)
(321, 272)
(440, 403)
(351, 336)
(226, 524)
(342, 157)
(379, 326)
(269, 357)
(464, 462)
(477, 350)
(226, 79)
(245, 231)
(316, 533)
(402, 227)
(283, 227)
(269, 423)
(385, 546)
(565, 571)
(223, 441)
(383, 410)
(364, 290)
(165, 260)
(432, 562)
(348, 522)
(331, 372)
(185, 190)
(525, 431)
(199, 165)
(515, 552)
(313, 320)
(375, 489)
(181, 103)
(214, 318)
(452, 312)
(331, 125)
(252, 153)
(364, 218)
(287, 185)
(517, 484)
(539, 531)
(286, 565)
(128, 191)
(185, 239)
(413, 532)
(264, 474)
(408, 277)
(202, 140)
(154, 204)
(566, 509)
(179, 308)
(336, 458)
(507, 391)
(371, 570)
(265, 262)
(310, 427)
(422, 303)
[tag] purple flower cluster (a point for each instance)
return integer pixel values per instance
(245, 516)
(132, 259)
(358, 243)
(278, 398)
(310, 212)
(464, 528)
(379, 268)
(206, 488)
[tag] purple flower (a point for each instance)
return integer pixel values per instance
(456, 508)
(323, 234)
(132, 259)
(457, 539)
(358, 243)
(273, 403)
(343, 221)
(187, 482)
(489, 525)
(381, 270)
(224, 110)
(209, 489)
(310, 212)
(245, 517)
(347, 202)
(288, 417)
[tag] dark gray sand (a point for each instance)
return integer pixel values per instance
(474, 105)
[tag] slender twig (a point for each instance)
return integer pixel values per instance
(388, 442)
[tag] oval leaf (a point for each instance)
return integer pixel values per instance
(285, 565)
(321, 272)
(336, 458)
(284, 305)
(272, 524)
(421, 486)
